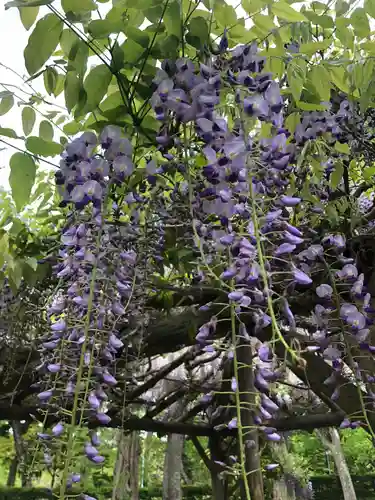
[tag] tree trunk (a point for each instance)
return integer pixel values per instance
(331, 440)
(282, 491)
(247, 397)
(126, 474)
(173, 467)
(146, 450)
(12, 474)
(219, 483)
(175, 444)
(21, 453)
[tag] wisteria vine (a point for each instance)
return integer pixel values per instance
(250, 224)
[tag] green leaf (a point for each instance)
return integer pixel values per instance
(308, 106)
(21, 178)
(362, 74)
(321, 20)
(172, 18)
(6, 104)
(101, 28)
(264, 23)
(27, 3)
(343, 33)
(339, 78)
(341, 8)
(28, 16)
(67, 40)
(368, 47)
(78, 5)
(72, 128)
(32, 262)
(8, 132)
(311, 48)
(42, 42)
(370, 7)
(118, 58)
(292, 121)
(71, 88)
(198, 28)
(78, 56)
(342, 148)
(50, 79)
(296, 72)
(39, 146)
(225, 14)
(82, 99)
(317, 76)
(337, 174)
(139, 36)
(285, 11)
(368, 173)
(59, 85)
(28, 120)
(360, 23)
(46, 130)
(132, 51)
(15, 274)
(252, 6)
(96, 85)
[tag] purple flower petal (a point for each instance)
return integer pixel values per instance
(103, 418)
(332, 353)
(301, 277)
(109, 379)
(261, 383)
(228, 274)
(345, 423)
(273, 437)
(54, 367)
(293, 230)
(45, 396)
(284, 248)
(59, 326)
(91, 451)
(58, 429)
(232, 424)
(115, 342)
(324, 291)
(272, 466)
(268, 404)
(290, 201)
(52, 344)
(235, 296)
(265, 353)
(93, 401)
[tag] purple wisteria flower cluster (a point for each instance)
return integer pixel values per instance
(97, 272)
(248, 216)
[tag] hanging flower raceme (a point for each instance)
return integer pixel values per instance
(98, 279)
(248, 214)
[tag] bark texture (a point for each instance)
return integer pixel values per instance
(12, 473)
(126, 474)
(247, 396)
(173, 467)
(331, 440)
(21, 452)
(175, 444)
